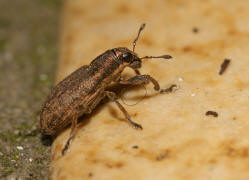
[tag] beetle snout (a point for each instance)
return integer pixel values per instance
(136, 63)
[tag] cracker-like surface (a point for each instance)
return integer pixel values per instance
(178, 140)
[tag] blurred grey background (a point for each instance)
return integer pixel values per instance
(28, 52)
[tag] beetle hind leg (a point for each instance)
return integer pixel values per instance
(72, 134)
(112, 96)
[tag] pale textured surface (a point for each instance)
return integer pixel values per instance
(175, 126)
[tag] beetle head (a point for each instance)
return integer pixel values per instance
(127, 57)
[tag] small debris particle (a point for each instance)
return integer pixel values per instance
(30, 159)
(212, 113)
(16, 132)
(90, 174)
(13, 176)
(195, 30)
(180, 79)
(170, 89)
(224, 66)
(19, 147)
(193, 94)
(43, 77)
(8, 56)
(135, 147)
(162, 156)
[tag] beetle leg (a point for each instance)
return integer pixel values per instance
(142, 80)
(112, 96)
(137, 71)
(72, 134)
(120, 79)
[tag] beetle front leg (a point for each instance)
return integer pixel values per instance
(140, 80)
(137, 71)
(144, 79)
(72, 134)
(112, 96)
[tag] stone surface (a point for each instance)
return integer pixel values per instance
(178, 141)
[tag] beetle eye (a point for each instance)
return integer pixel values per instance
(127, 57)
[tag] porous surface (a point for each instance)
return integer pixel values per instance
(178, 140)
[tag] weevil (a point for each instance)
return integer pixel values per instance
(80, 92)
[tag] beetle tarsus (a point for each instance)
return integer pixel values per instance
(135, 125)
(171, 89)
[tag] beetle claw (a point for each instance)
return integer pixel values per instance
(136, 126)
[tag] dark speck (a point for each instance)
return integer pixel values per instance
(195, 30)
(212, 113)
(90, 174)
(135, 147)
(224, 66)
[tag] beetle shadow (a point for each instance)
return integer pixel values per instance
(47, 140)
(85, 119)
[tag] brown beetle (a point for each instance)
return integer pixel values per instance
(80, 92)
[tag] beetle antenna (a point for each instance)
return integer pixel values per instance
(139, 31)
(163, 56)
